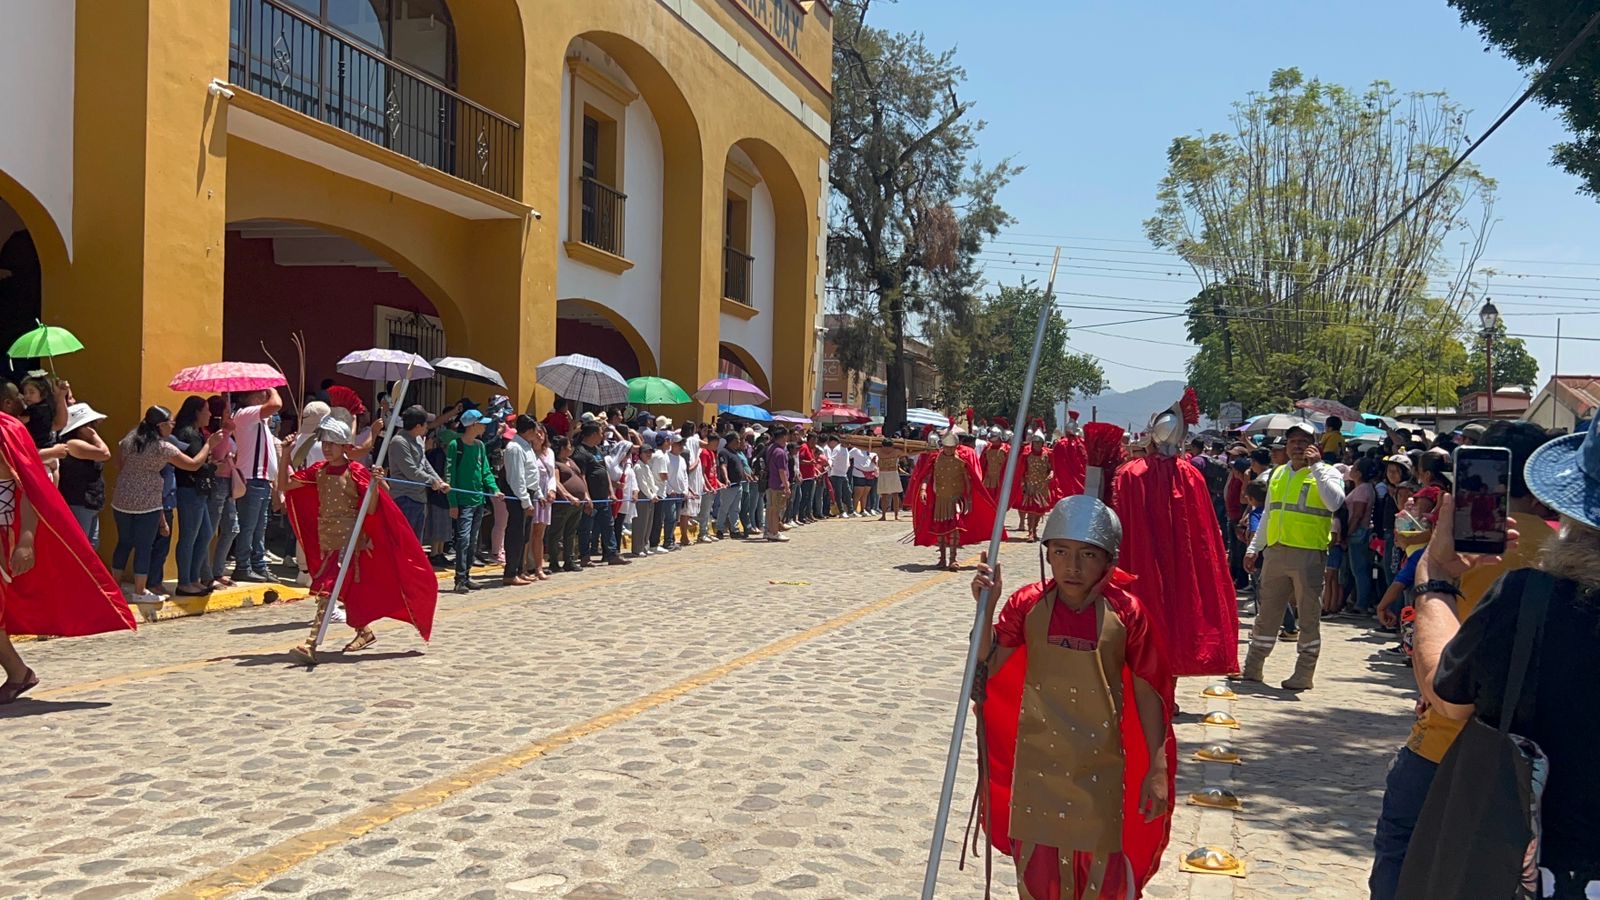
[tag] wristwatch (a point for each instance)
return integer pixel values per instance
(1439, 586)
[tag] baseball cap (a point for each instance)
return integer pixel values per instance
(473, 417)
(1299, 426)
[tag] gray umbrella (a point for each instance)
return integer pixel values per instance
(467, 370)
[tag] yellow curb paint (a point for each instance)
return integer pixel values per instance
(258, 868)
(381, 627)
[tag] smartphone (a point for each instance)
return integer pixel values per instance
(1483, 498)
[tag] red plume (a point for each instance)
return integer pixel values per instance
(342, 397)
(1072, 414)
(1102, 443)
(952, 421)
(1001, 421)
(1038, 423)
(1190, 406)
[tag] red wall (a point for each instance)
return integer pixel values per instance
(331, 305)
(604, 344)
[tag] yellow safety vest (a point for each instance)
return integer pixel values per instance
(1296, 515)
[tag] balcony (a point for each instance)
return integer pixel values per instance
(601, 224)
(736, 275)
(289, 58)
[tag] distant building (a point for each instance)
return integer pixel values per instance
(868, 391)
(1509, 402)
(1564, 401)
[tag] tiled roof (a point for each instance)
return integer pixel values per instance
(1579, 393)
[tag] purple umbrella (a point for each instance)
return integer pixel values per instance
(730, 392)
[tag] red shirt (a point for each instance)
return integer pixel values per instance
(808, 466)
(1075, 630)
(1232, 498)
(708, 465)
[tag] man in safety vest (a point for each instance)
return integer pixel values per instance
(1301, 500)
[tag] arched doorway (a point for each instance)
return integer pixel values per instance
(285, 278)
(590, 328)
(734, 361)
(21, 284)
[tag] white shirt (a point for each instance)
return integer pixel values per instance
(870, 470)
(677, 474)
(838, 461)
(691, 446)
(658, 471)
(519, 470)
(258, 452)
(645, 485)
(859, 461)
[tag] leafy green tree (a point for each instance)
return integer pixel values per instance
(984, 367)
(1513, 364)
(910, 206)
(1532, 33)
(1306, 173)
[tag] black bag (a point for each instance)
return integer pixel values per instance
(1477, 835)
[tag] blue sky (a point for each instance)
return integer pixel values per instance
(1089, 95)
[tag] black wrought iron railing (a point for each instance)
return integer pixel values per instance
(603, 208)
(736, 274)
(291, 59)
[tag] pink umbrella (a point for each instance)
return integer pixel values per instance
(1329, 408)
(791, 417)
(730, 392)
(840, 413)
(228, 377)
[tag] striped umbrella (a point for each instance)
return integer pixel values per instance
(584, 379)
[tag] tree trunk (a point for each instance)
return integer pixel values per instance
(895, 388)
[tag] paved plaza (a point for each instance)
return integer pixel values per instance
(733, 720)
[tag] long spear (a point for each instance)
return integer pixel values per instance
(953, 760)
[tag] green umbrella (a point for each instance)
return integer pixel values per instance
(648, 389)
(44, 341)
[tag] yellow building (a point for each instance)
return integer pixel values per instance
(182, 181)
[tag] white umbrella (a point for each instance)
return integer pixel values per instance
(1273, 423)
(584, 379)
(379, 364)
(922, 416)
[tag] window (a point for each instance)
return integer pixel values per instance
(597, 201)
(418, 33)
(737, 264)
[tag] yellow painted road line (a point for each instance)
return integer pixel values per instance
(260, 867)
(382, 626)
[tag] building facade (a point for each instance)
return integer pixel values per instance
(868, 391)
(1566, 402)
(183, 181)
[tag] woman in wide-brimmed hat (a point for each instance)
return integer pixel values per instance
(1558, 706)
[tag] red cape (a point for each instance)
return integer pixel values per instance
(68, 592)
(392, 577)
(1070, 464)
(1018, 500)
(1171, 543)
(978, 521)
(1142, 842)
(1005, 452)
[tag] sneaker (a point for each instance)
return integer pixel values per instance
(146, 597)
(777, 539)
(462, 589)
(303, 579)
(256, 578)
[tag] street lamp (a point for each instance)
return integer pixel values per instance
(1490, 317)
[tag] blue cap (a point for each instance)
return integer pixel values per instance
(1565, 475)
(473, 417)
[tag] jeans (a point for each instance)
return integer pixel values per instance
(224, 513)
(516, 540)
(467, 522)
(730, 500)
(1359, 555)
(749, 507)
(1404, 791)
(644, 517)
(136, 536)
(195, 528)
(841, 492)
(664, 531)
(159, 551)
(819, 498)
(416, 513)
(597, 536)
(708, 508)
(89, 521)
(254, 506)
(561, 538)
(806, 499)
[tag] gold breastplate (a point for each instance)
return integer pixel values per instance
(1036, 485)
(949, 485)
(339, 500)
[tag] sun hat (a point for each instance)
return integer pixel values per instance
(79, 415)
(663, 423)
(311, 416)
(1399, 459)
(1565, 475)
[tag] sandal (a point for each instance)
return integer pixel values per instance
(11, 690)
(304, 655)
(364, 639)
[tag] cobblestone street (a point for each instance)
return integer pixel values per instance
(731, 720)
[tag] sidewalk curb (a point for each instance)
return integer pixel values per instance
(244, 596)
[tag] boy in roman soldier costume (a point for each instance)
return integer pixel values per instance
(1173, 547)
(1069, 461)
(1032, 495)
(948, 508)
(1074, 704)
(390, 576)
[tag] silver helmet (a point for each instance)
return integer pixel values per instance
(334, 431)
(950, 439)
(1083, 518)
(1009, 435)
(1167, 431)
(1072, 428)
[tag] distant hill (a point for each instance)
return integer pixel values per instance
(1130, 409)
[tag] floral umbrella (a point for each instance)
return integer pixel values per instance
(227, 378)
(1329, 407)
